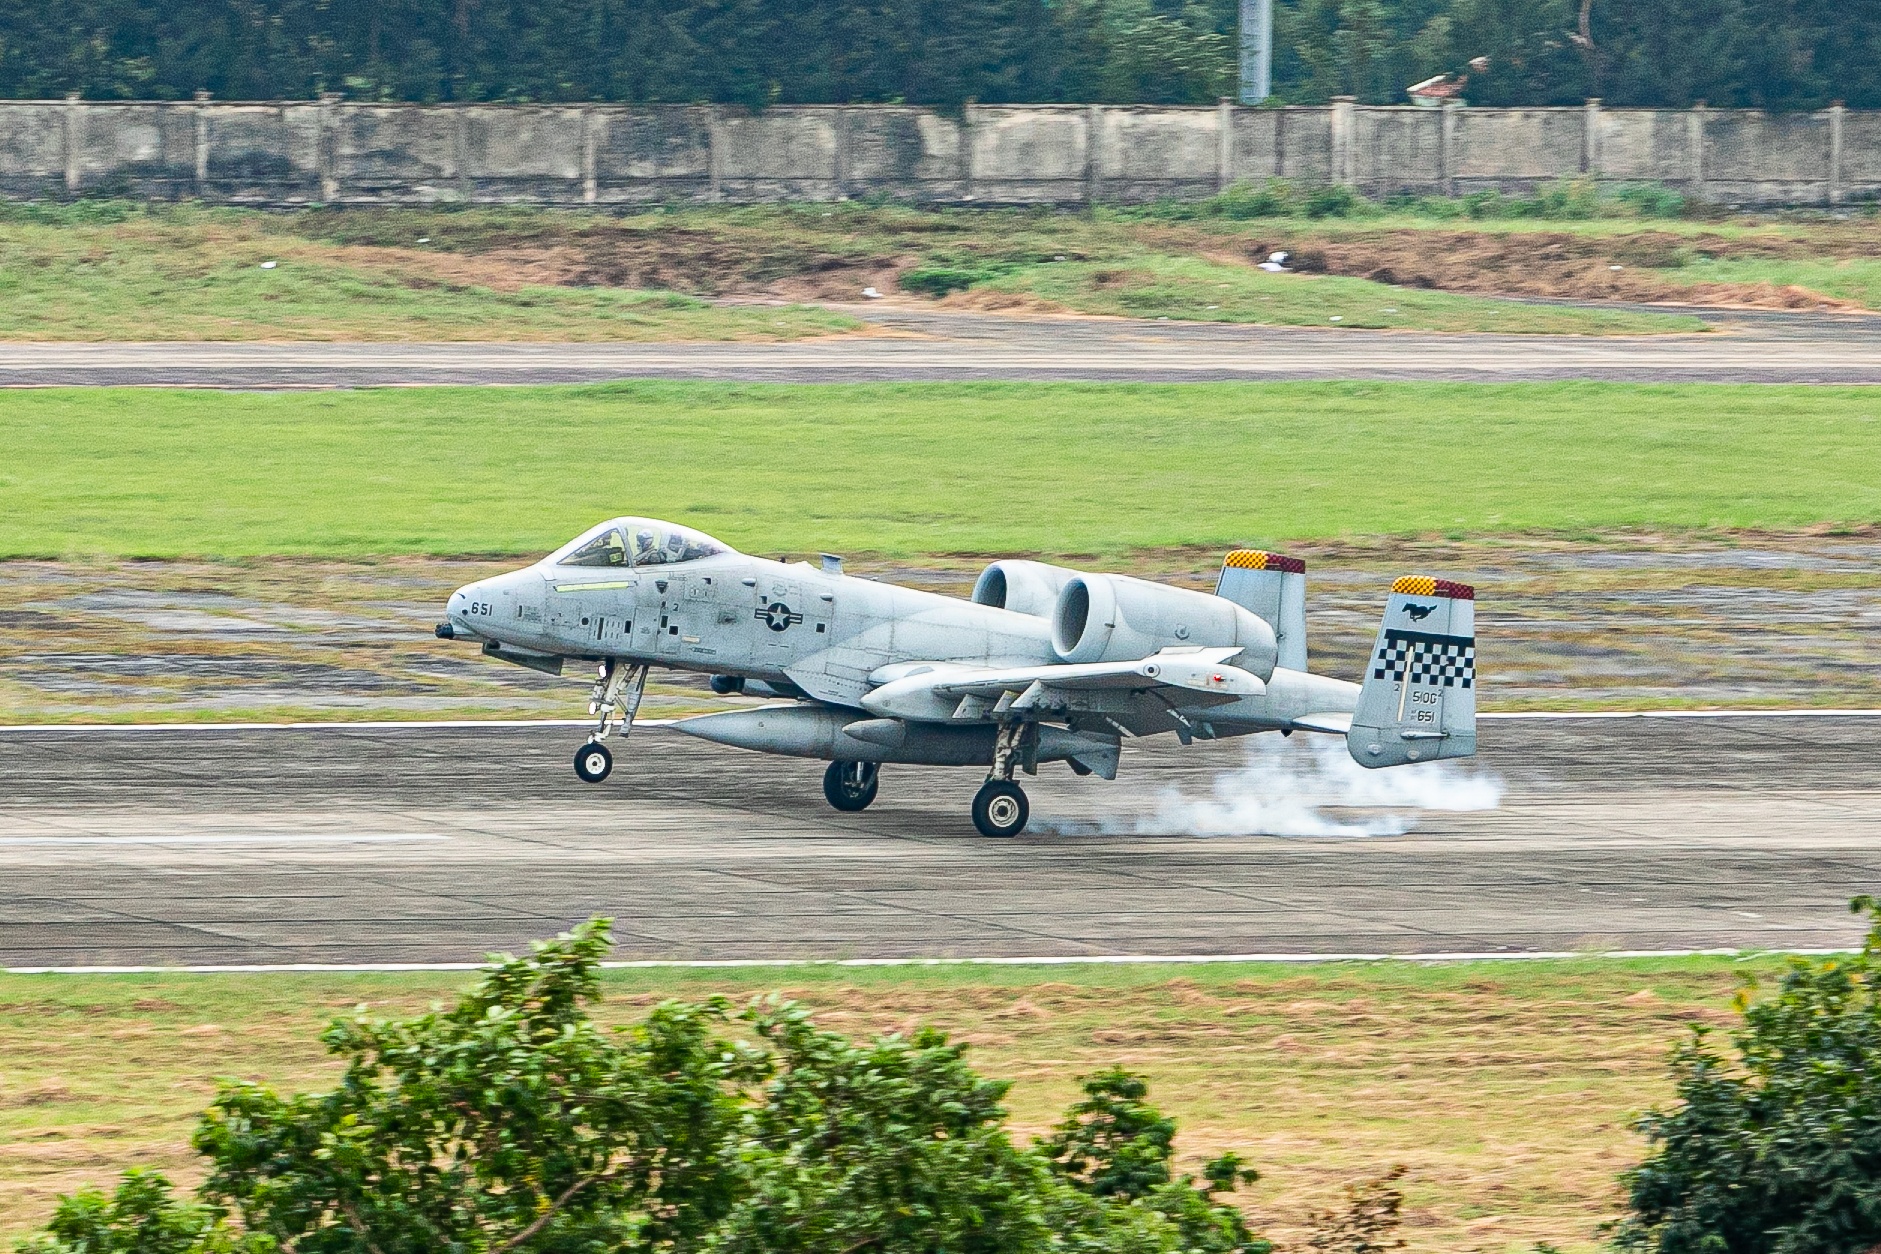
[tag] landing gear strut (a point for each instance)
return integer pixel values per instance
(615, 699)
(850, 786)
(1000, 807)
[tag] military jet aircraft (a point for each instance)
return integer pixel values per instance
(1043, 664)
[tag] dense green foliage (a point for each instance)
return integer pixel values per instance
(1777, 1150)
(514, 1122)
(1776, 54)
(1767, 53)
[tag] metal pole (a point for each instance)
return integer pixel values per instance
(1257, 50)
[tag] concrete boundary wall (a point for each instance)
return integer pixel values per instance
(334, 152)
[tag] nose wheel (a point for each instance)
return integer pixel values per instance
(1000, 808)
(616, 698)
(851, 786)
(593, 761)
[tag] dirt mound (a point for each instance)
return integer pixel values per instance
(805, 259)
(670, 258)
(1555, 264)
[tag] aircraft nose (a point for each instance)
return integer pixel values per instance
(456, 612)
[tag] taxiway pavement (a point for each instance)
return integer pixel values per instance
(924, 345)
(441, 843)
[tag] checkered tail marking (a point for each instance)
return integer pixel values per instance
(1432, 661)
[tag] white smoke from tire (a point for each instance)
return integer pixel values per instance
(1308, 786)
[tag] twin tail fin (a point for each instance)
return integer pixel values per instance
(1417, 701)
(1271, 586)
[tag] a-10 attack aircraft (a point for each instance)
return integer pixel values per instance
(1044, 664)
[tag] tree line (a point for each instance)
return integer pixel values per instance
(1776, 54)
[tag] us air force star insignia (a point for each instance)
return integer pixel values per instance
(778, 616)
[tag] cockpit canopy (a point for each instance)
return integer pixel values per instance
(631, 542)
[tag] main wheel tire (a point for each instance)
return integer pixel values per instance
(850, 786)
(1000, 808)
(593, 762)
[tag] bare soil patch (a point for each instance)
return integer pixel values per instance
(811, 254)
(1559, 264)
(703, 258)
(798, 265)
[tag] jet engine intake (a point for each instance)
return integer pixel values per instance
(1023, 587)
(1114, 618)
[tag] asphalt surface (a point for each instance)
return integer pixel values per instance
(441, 844)
(1744, 347)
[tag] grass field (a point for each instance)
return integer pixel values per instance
(186, 274)
(919, 469)
(1047, 256)
(1508, 1089)
(112, 271)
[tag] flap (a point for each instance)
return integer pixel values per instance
(937, 692)
(1201, 670)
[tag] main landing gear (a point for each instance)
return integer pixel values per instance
(850, 786)
(616, 699)
(1000, 807)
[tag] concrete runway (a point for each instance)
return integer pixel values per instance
(439, 844)
(1745, 347)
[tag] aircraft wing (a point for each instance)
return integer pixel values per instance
(1204, 670)
(949, 692)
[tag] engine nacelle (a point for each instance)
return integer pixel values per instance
(1023, 587)
(1114, 618)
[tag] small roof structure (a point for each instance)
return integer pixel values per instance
(1435, 91)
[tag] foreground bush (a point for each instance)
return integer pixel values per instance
(1777, 1149)
(514, 1122)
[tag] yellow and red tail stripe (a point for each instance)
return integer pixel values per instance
(1425, 586)
(1260, 559)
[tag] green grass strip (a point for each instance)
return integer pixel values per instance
(918, 468)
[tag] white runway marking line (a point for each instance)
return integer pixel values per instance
(1557, 715)
(447, 724)
(401, 725)
(307, 838)
(1066, 960)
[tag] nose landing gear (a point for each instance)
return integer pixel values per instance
(593, 761)
(616, 699)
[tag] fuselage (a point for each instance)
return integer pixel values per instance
(732, 614)
(802, 629)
